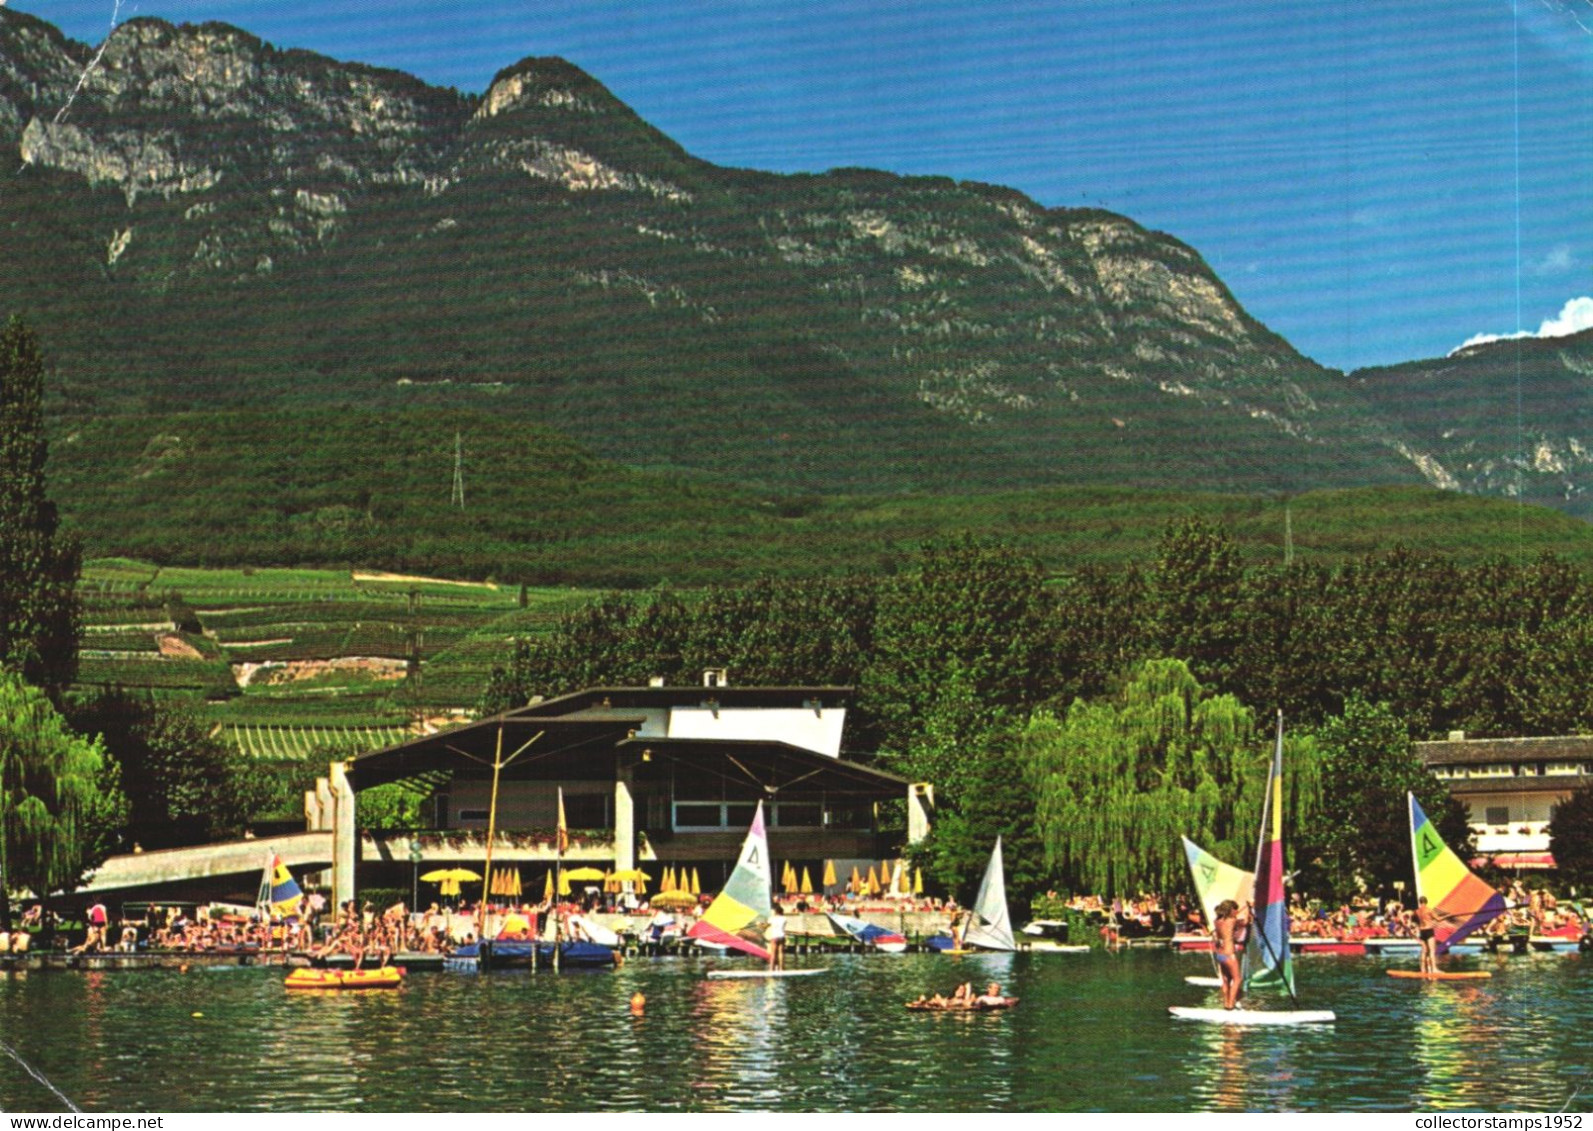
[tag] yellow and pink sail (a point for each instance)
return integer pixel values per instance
(744, 900)
(1459, 901)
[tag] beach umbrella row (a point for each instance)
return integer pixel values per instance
(505, 882)
(890, 878)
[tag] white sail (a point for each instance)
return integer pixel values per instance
(992, 925)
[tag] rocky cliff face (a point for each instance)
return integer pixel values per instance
(358, 232)
(1510, 418)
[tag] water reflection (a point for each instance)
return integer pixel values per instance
(1091, 1033)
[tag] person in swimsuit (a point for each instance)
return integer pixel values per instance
(1426, 931)
(1226, 952)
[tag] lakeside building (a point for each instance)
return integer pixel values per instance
(1510, 787)
(666, 775)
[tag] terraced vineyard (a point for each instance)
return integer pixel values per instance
(297, 662)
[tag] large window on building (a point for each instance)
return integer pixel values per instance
(713, 816)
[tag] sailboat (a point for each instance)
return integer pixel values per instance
(990, 925)
(1215, 881)
(882, 939)
(743, 902)
(1267, 964)
(1460, 902)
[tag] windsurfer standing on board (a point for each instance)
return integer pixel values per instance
(1426, 931)
(1226, 952)
(774, 935)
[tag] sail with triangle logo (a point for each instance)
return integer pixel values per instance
(1216, 880)
(744, 901)
(1459, 901)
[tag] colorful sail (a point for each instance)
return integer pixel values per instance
(744, 899)
(1459, 901)
(991, 928)
(1267, 964)
(1216, 880)
(283, 894)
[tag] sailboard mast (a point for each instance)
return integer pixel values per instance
(1267, 961)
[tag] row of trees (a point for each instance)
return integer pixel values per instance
(1126, 701)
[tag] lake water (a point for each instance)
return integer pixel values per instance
(1092, 1034)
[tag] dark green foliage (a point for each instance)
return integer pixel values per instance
(959, 641)
(1362, 836)
(998, 801)
(1195, 592)
(768, 633)
(1571, 837)
(40, 616)
(183, 785)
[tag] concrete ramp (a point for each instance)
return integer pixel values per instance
(301, 852)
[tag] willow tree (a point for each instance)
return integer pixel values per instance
(60, 805)
(1119, 781)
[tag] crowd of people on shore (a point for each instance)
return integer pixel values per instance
(1363, 917)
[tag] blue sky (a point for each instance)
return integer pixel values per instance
(1377, 180)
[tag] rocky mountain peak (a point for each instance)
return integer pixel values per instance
(546, 84)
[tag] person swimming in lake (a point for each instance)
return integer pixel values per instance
(1224, 948)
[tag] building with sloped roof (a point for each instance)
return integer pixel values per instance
(666, 775)
(1510, 787)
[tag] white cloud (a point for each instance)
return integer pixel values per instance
(1574, 317)
(1556, 261)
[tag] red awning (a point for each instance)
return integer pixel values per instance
(1516, 860)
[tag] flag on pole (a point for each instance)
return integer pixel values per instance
(564, 829)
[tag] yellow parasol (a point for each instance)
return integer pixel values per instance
(564, 883)
(673, 899)
(632, 876)
(918, 881)
(668, 884)
(807, 882)
(872, 886)
(789, 881)
(457, 875)
(696, 884)
(547, 891)
(856, 882)
(449, 887)
(829, 880)
(583, 874)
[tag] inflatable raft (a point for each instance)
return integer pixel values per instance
(382, 978)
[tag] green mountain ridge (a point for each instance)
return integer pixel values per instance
(219, 225)
(349, 487)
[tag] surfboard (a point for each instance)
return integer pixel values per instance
(767, 973)
(1205, 981)
(1443, 975)
(1253, 1016)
